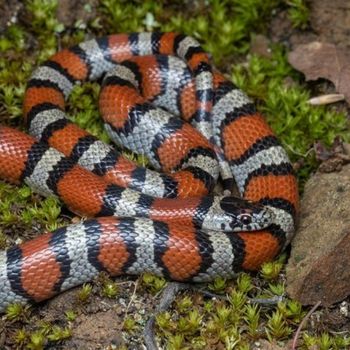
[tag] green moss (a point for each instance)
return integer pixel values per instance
(153, 283)
(17, 312)
(109, 289)
(58, 334)
(129, 325)
(20, 208)
(43, 17)
(84, 293)
(298, 13)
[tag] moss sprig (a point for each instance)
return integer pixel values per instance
(298, 13)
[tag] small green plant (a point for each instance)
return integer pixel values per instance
(58, 334)
(276, 327)
(22, 208)
(84, 293)
(190, 323)
(298, 13)
(109, 289)
(70, 315)
(341, 342)
(17, 311)
(20, 337)
(129, 325)
(165, 323)
(184, 304)
(277, 288)
(244, 283)
(325, 341)
(45, 327)
(37, 341)
(292, 309)
(218, 285)
(237, 299)
(309, 340)
(14, 39)
(271, 270)
(153, 283)
(232, 339)
(175, 342)
(252, 319)
(222, 316)
(208, 306)
(44, 16)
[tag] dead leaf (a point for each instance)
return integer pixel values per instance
(323, 60)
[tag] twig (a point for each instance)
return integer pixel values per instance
(131, 299)
(297, 333)
(168, 296)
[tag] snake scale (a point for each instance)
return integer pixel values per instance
(167, 222)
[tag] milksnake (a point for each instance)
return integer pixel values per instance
(141, 220)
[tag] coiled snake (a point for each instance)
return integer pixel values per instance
(166, 223)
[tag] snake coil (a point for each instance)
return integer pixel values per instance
(141, 220)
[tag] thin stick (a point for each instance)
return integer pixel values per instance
(131, 299)
(297, 333)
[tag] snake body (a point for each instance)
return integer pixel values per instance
(166, 223)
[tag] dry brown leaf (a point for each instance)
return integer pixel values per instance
(323, 60)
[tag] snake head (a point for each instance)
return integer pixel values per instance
(234, 214)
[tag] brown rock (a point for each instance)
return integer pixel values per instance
(319, 266)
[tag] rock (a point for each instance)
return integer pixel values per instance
(319, 266)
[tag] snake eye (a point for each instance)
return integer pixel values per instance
(246, 219)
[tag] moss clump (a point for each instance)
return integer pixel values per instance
(21, 208)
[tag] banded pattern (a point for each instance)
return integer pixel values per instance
(52, 83)
(185, 239)
(77, 253)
